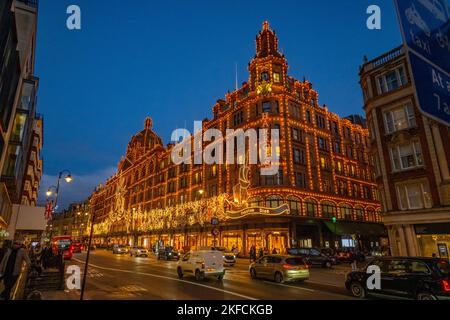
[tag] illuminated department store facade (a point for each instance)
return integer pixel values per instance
(325, 172)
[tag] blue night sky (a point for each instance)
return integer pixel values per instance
(172, 60)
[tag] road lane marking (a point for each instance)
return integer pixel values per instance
(173, 279)
(293, 287)
(325, 284)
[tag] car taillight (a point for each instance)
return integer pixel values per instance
(445, 285)
(71, 249)
(288, 267)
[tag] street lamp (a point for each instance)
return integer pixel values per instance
(67, 177)
(50, 191)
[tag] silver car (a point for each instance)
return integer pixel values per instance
(119, 249)
(138, 252)
(280, 268)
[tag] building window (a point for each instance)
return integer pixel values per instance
(323, 144)
(346, 212)
(413, 196)
(276, 77)
(337, 147)
(329, 210)
(266, 107)
(391, 80)
(300, 179)
(265, 76)
(299, 156)
(308, 116)
(406, 156)
(339, 167)
(274, 202)
(400, 119)
(311, 208)
(256, 202)
(213, 172)
(197, 177)
(295, 111)
(279, 178)
(238, 118)
(359, 212)
(295, 206)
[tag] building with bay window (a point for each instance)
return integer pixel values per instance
(411, 153)
(325, 174)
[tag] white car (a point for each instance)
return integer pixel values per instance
(138, 252)
(201, 264)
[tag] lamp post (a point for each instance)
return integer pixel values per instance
(67, 177)
(87, 257)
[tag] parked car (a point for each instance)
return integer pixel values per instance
(229, 258)
(312, 256)
(280, 268)
(401, 277)
(168, 253)
(139, 252)
(120, 249)
(78, 247)
(201, 264)
(331, 253)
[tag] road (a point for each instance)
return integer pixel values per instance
(121, 277)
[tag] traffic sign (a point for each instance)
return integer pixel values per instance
(432, 87)
(425, 28)
(215, 232)
(214, 221)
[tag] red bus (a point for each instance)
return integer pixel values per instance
(64, 244)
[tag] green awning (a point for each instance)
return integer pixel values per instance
(355, 228)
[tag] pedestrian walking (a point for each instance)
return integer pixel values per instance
(261, 252)
(11, 266)
(354, 261)
(252, 254)
(6, 245)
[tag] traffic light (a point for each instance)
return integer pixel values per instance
(334, 219)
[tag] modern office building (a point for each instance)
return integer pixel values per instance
(411, 154)
(21, 127)
(325, 176)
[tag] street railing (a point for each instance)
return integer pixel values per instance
(391, 55)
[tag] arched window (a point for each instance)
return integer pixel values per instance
(371, 216)
(295, 206)
(329, 209)
(359, 212)
(311, 208)
(346, 212)
(274, 201)
(256, 202)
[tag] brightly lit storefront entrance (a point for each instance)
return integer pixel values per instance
(277, 241)
(232, 240)
(434, 239)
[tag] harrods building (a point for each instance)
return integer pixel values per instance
(324, 194)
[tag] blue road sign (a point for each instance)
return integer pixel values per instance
(432, 87)
(425, 27)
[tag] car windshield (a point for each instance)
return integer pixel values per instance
(294, 261)
(444, 267)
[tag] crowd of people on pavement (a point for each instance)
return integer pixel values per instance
(13, 254)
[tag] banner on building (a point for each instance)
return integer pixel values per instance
(258, 211)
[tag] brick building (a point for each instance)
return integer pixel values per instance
(412, 156)
(325, 172)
